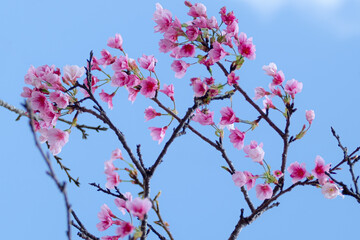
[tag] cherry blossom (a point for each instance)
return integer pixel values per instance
(148, 87)
(107, 98)
(293, 87)
(227, 18)
(270, 69)
(239, 178)
(188, 50)
(124, 229)
(192, 32)
(246, 46)
(278, 173)
(139, 207)
(112, 180)
(119, 79)
(61, 100)
(310, 116)
(255, 152)
(163, 18)
(200, 88)
(158, 134)
(260, 92)
(250, 180)
(263, 191)
(204, 117)
(56, 139)
(237, 138)
(320, 170)
(106, 59)
(116, 154)
(279, 78)
(179, 67)
(228, 116)
(109, 167)
(150, 113)
(330, 190)
(105, 216)
(297, 171)
(121, 63)
(148, 62)
(115, 42)
(72, 73)
(217, 52)
(169, 91)
(232, 79)
(197, 10)
(121, 203)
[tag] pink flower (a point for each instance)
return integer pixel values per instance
(158, 134)
(278, 173)
(95, 64)
(293, 87)
(61, 100)
(192, 32)
(119, 79)
(116, 154)
(204, 117)
(237, 138)
(200, 22)
(250, 180)
(72, 73)
(125, 229)
(179, 67)
(330, 190)
(270, 69)
(278, 79)
(267, 102)
(228, 18)
(105, 216)
(163, 18)
(310, 116)
(121, 203)
(132, 94)
(169, 91)
(228, 116)
(107, 98)
(150, 113)
(148, 87)
(246, 47)
(166, 45)
(260, 93)
(232, 79)
(113, 179)
(217, 52)
(115, 42)
(187, 50)
(109, 167)
(56, 139)
(239, 178)
(133, 81)
(121, 63)
(197, 10)
(209, 81)
(297, 171)
(147, 62)
(263, 191)
(26, 92)
(212, 23)
(39, 101)
(255, 152)
(106, 59)
(199, 88)
(320, 170)
(139, 207)
(232, 30)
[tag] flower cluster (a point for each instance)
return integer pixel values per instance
(49, 100)
(136, 207)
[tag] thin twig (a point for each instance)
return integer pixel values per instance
(51, 173)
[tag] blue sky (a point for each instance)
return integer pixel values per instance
(315, 42)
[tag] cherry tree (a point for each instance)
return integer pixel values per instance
(57, 98)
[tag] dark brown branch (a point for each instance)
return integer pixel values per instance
(107, 191)
(156, 232)
(84, 234)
